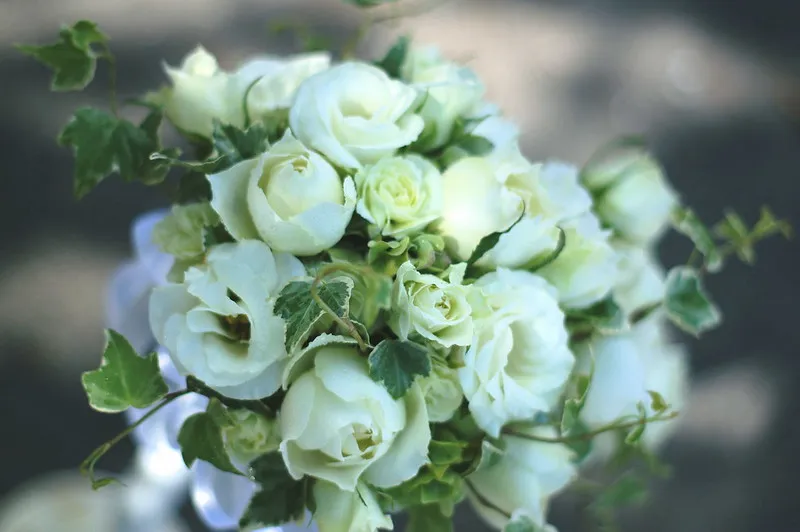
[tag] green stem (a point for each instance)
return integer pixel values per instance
(87, 466)
(591, 434)
(486, 502)
(193, 384)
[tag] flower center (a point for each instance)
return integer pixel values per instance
(236, 327)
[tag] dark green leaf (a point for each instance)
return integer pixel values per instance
(393, 61)
(605, 317)
(193, 187)
(71, 58)
(490, 241)
(124, 379)
(475, 146)
(203, 167)
(200, 438)
(685, 221)
(428, 518)
(446, 452)
(687, 303)
(280, 498)
(630, 489)
(490, 454)
(301, 312)
(396, 364)
(540, 262)
(234, 145)
(104, 144)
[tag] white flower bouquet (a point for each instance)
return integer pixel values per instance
(380, 303)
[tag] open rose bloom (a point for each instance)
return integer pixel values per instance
(367, 300)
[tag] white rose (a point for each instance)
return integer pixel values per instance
(486, 195)
(348, 511)
(400, 195)
(290, 197)
(519, 359)
(354, 114)
(640, 279)
(273, 81)
(219, 324)
(524, 479)
(626, 367)
(451, 91)
(586, 269)
(431, 307)
(634, 196)
(442, 392)
(249, 435)
(200, 93)
(341, 426)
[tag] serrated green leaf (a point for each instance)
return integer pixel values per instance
(393, 61)
(446, 452)
(104, 144)
(200, 438)
(429, 518)
(396, 364)
(71, 58)
(280, 498)
(687, 303)
(685, 221)
(124, 379)
(202, 167)
(233, 145)
(488, 242)
(301, 312)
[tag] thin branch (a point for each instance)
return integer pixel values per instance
(583, 436)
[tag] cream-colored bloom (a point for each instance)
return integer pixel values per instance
(249, 435)
(523, 481)
(519, 359)
(400, 195)
(290, 197)
(451, 91)
(431, 307)
(442, 392)
(640, 279)
(348, 511)
(634, 196)
(182, 231)
(341, 426)
(354, 114)
(219, 324)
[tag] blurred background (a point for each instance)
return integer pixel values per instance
(714, 85)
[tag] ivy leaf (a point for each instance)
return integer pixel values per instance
(280, 498)
(429, 518)
(124, 379)
(301, 312)
(605, 317)
(72, 58)
(735, 231)
(488, 242)
(104, 144)
(685, 221)
(200, 438)
(393, 61)
(234, 145)
(687, 303)
(396, 364)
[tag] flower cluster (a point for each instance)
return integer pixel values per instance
(386, 304)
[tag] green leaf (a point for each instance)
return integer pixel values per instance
(687, 303)
(446, 452)
(393, 61)
(742, 240)
(428, 518)
(475, 145)
(629, 489)
(488, 242)
(104, 144)
(396, 364)
(234, 145)
(540, 262)
(657, 402)
(301, 312)
(200, 438)
(685, 221)
(72, 58)
(280, 498)
(605, 317)
(521, 523)
(490, 454)
(124, 379)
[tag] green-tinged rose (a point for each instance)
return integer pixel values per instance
(431, 307)
(633, 195)
(341, 426)
(425, 251)
(522, 482)
(201, 92)
(348, 511)
(182, 232)
(399, 195)
(249, 435)
(442, 391)
(290, 197)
